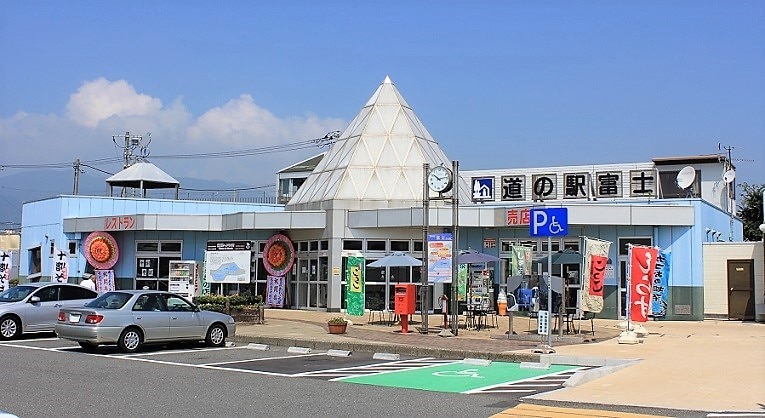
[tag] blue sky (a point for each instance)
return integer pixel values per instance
(499, 84)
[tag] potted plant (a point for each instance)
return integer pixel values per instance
(337, 325)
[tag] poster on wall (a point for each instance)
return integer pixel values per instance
(275, 291)
(642, 265)
(355, 287)
(6, 263)
(60, 273)
(660, 285)
(440, 258)
(104, 281)
(228, 262)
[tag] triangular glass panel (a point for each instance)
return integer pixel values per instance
(387, 96)
(375, 124)
(375, 144)
(374, 188)
(388, 115)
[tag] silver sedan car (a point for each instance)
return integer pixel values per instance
(33, 307)
(131, 318)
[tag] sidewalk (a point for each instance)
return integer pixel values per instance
(711, 365)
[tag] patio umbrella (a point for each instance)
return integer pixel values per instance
(474, 257)
(567, 256)
(397, 259)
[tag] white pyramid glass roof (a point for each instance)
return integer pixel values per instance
(378, 158)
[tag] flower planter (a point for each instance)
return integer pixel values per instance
(337, 328)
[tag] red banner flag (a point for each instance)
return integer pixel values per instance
(642, 266)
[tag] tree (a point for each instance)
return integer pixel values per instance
(750, 210)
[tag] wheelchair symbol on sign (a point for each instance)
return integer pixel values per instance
(459, 373)
(555, 227)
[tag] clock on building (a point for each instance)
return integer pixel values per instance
(440, 179)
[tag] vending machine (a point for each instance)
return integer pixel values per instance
(184, 278)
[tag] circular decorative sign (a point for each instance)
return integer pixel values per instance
(101, 250)
(279, 255)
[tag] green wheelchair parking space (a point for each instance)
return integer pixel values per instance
(457, 377)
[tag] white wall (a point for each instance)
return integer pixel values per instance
(715, 256)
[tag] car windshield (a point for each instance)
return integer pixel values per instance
(109, 300)
(17, 293)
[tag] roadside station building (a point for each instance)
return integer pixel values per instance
(365, 195)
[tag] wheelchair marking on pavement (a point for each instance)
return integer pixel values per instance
(459, 378)
(374, 368)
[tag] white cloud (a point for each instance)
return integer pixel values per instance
(239, 122)
(101, 108)
(100, 99)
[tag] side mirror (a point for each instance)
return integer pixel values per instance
(34, 299)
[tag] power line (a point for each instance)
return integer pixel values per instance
(326, 140)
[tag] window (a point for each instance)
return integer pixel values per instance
(399, 245)
(35, 260)
(109, 300)
(670, 189)
(170, 247)
(76, 292)
(303, 246)
(72, 248)
(351, 244)
(418, 246)
(48, 294)
(324, 245)
(375, 245)
(147, 247)
(177, 304)
(623, 243)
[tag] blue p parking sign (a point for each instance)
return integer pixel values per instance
(551, 222)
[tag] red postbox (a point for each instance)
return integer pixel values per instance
(405, 303)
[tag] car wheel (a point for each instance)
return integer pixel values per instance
(216, 336)
(89, 347)
(10, 327)
(130, 340)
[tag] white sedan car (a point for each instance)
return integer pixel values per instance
(131, 318)
(33, 307)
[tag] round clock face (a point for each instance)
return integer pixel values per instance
(440, 179)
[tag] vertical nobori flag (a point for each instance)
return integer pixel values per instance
(355, 292)
(595, 260)
(521, 260)
(660, 289)
(642, 266)
(6, 263)
(60, 273)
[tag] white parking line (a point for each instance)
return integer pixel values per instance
(187, 350)
(263, 359)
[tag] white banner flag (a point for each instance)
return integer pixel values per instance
(60, 273)
(6, 263)
(594, 274)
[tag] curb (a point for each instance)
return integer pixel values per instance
(512, 356)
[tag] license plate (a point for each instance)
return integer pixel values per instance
(74, 317)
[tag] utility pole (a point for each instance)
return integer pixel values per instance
(77, 171)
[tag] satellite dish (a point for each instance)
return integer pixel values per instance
(685, 177)
(729, 176)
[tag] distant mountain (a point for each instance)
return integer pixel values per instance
(25, 186)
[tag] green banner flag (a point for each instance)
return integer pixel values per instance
(462, 278)
(355, 292)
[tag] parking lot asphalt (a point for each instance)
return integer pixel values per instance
(711, 365)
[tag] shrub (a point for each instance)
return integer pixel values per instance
(337, 320)
(213, 307)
